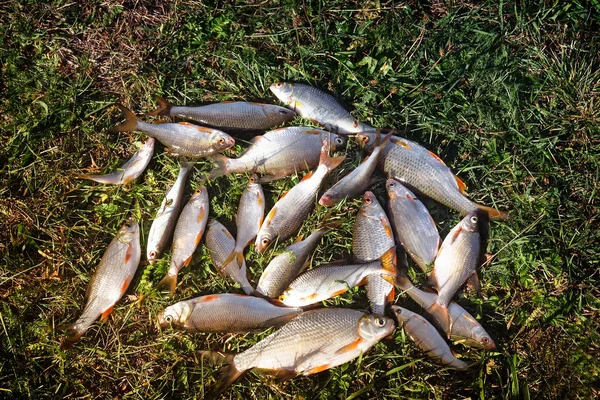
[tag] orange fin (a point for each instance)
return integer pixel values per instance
(330, 163)
(238, 256)
(350, 347)
(319, 368)
(306, 177)
(436, 157)
(278, 321)
(125, 285)
(389, 261)
(462, 187)
(227, 376)
(209, 298)
(400, 142)
(338, 292)
(170, 282)
(493, 213)
(186, 123)
(131, 121)
(164, 107)
(106, 313)
(129, 253)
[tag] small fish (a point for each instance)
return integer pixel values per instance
(181, 138)
(318, 106)
(279, 153)
(414, 229)
(290, 211)
(457, 259)
(328, 281)
(372, 237)
(250, 215)
(226, 313)
(282, 270)
(357, 181)
(130, 171)
(421, 170)
(427, 338)
(220, 244)
(110, 280)
(230, 115)
(464, 327)
(187, 235)
(312, 342)
(166, 217)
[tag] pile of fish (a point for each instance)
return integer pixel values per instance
(309, 340)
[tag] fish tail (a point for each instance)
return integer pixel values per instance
(216, 357)
(227, 376)
(164, 107)
(235, 255)
(73, 336)
(169, 281)
(185, 165)
(329, 162)
(493, 213)
(446, 312)
(131, 121)
(403, 282)
(222, 162)
(383, 142)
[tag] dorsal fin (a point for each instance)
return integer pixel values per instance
(461, 185)
(436, 157)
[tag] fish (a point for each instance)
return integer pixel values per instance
(327, 281)
(282, 270)
(189, 229)
(278, 153)
(110, 280)
(312, 342)
(464, 327)
(130, 171)
(181, 138)
(229, 115)
(427, 338)
(414, 229)
(220, 244)
(423, 171)
(166, 217)
(250, 215)
(226, 313)
(357, 181)
(457, 259)
(318, 106)
(372, 237)
(288, 214)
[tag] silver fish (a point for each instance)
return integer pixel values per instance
(130, 171)
(226, 312)
(279, 153)
(220, 244)
(427, 338)
(413, 226)
(188, 233)
(230, 115)
(421, 170)
(319, 106)
(181, 138)
(110, 280)
(166, 217)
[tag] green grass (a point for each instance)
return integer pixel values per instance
(507, 93)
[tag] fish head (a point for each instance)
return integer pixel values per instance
(370, 206)
(367, 140)
(221, 141)
(276, 113)
(395, 189)
(374, 327)
(254, 184)
(284, 91)
(402, 314)
(470, 222)
(480, 338)
(129, 231)
(152, 255)
(177, 314)
(336, 142)
(148, 146)
(263, 240)
(328, 199)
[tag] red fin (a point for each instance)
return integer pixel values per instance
(350, 347)
(169, 281)
(319, 368)
(338, 292)
(203, 129)
(129, 253)
(130, 123)
(461, 185)
(209, 298)
(493, 213)
(387, 227)
(329, 162)
(164, 107)
(392, 294)
(399, 142)
(389, 261)
(186, 123)
(201, 215)
(436, 157)
(198, 238)
(306, 177)
(187, 261)
(106, 313)
(124, 286)
(299, 238)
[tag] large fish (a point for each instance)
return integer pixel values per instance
(427, 338)
(463, 327)
(279, 153)
(312, 342)
(187, 235)
(181, 138)
(413, 226)
(131, 170)
(250, 215)
(328, 281)
(421, 170)
(110, 280)
(282, 270)
(318, 106)
(357, 181)
(230, 115)
(457, 259)
(372, 237)
(220, 244)
(166, 217)
(226, 313)
(290, 211)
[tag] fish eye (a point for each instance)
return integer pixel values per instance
(221, 141)
(339, 140)
(168, 319)
(379, 322)
(368, 200)
(279, 85)
(265, 241)
(474, 219)
(283, 112)
(251, 180)
(152, 254)
(392, 185)
(485, 340)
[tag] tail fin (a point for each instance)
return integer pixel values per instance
(329, 162)
(216, 357)
(186, 165)
(131, 121)
(403, 282)
(493, 213)
(169, 281)
(227, 376)
(73, 336)
(222, 163)
(237, 255)
(383, 142)
(113, 179)
(388, 261)
(164, 107)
